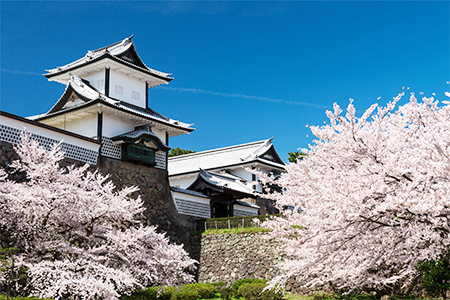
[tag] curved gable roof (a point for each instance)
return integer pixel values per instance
(222, 183)
(123, 52)
(75, 86)
(143, 132)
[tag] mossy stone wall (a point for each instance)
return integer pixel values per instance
(229, 257)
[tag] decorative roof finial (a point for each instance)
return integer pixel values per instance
(127, 40)
(75, 79)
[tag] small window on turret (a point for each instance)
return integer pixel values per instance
(119, 89)
(100, 84)
(135, 95)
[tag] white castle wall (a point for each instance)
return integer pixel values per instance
(129, 84)
(113, 125)
(86, 126)
(182, 182)
(97, 80)
(160, 134)
(74, 147)
(186, 180)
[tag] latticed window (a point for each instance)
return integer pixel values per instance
(135, 95)
(142, 146)
(100, 84)
(119, 89)
(139, 153)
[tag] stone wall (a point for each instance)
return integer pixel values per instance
(229, 257)
(155, 192)
(7, 155)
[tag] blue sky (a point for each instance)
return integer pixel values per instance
(244, 71)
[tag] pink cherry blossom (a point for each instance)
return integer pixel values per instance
(79, 235)
(371, 199)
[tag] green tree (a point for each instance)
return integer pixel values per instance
(178, 151)
(435, 276)
(297, 155)
(9, 271)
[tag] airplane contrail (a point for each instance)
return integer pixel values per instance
(20, 72)
(200, 91)
(242, 96)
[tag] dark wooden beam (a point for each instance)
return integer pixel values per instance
(100, 130)
(107, 82)
(146, 94)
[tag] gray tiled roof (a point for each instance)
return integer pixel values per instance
(92, 95)
(222, 158)
(113, 51)
(138, 132)
(227, 181)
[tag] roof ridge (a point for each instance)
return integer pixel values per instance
(223, 149)
(113, 51)
(105, 47)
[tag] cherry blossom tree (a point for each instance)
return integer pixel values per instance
(372, 198)
(78, 235)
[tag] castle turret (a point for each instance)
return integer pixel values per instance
(106, 98)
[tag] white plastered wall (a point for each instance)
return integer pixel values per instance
(266, 170)
(129, 84)
(183, 182)
(113, 125)
(86, 126)
(160, 133)
(93, 78)
(243, 173)
(190, 197)
(6, 121)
